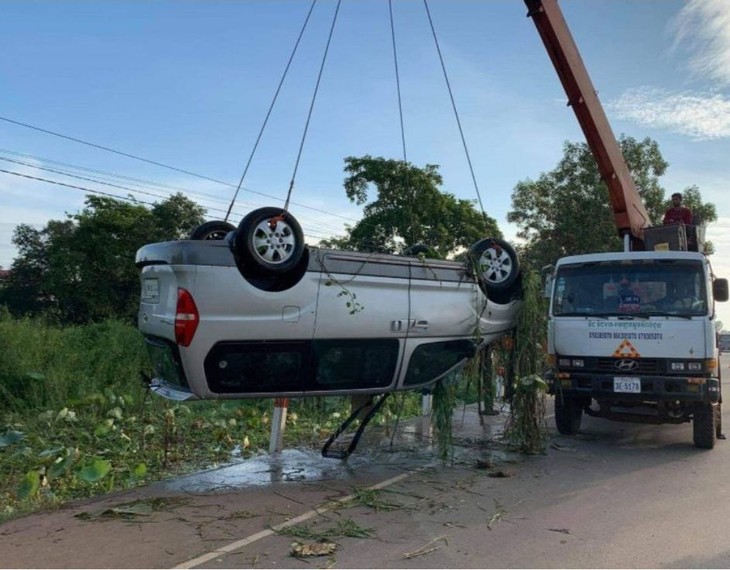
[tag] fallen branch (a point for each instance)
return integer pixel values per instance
(423, 550)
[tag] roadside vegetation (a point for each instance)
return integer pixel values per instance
(77, 421)
(75, 417)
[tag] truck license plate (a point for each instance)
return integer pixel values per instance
(627, 384)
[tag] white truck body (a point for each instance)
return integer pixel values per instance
(632, 336)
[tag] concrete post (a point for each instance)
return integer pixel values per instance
(278, 422)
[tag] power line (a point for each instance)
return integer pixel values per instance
(332, 228)
(160, 164)
(110, 195)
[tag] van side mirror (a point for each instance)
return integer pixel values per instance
(720, 290)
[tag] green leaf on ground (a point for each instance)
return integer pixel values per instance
(98, 469)
(30, 485)
(11, 437)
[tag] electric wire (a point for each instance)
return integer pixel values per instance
(186, 191)
(208, 207)
(201, 176)
(311, 105)
(453, 105)
(131, 199)
(271, 107)
(102, 182)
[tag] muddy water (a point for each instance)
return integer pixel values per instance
(410, 447)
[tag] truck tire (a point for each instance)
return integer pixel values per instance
(704, 425)
(269, 240)
(718, 421)
(213, 230)
(568, 414)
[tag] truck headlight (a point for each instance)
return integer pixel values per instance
(677, 366)
(578, 363)
(564, 362)
(695, 366)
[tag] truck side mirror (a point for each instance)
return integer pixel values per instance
(547, 280)
(720, 290)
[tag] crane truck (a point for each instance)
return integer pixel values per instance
(631, 334)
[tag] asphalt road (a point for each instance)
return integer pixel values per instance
(617, 495)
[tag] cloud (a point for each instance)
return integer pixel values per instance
(701, 116)
(702, 27)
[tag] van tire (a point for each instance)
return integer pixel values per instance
(496, 265)
(568, 414)
(270, 240)
(213, 230)
(704, 424)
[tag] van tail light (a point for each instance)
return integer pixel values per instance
(186, 318)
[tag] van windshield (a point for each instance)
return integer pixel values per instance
(641, 289)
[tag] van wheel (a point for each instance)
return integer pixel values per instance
(215, 230)
(269, 239)
(704, 425)
(496, 264)
(568, 414)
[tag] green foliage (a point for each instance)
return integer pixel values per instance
(525, 426)
(409, 209)
(49, 367)
(442, 410)
(82, 269)
(75, 420)
(567, 211)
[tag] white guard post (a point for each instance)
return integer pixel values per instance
(426, 403)
(276, 443)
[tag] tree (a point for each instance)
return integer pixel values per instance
(82, 269)
(567, 210)
(409, 209)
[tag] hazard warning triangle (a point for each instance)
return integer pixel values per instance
(626, 350)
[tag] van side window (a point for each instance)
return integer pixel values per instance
(354, 363)
(257, 367)
(434, 359)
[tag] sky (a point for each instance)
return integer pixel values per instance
(187, 84)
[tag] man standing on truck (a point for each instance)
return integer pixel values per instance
(678, 214)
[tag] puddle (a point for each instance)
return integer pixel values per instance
(411, 448)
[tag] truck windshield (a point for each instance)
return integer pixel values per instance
(640, 289)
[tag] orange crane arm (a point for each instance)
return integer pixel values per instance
(629, 213)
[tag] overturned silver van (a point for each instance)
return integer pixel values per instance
(256, 313)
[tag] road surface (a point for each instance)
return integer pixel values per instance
(616, 495)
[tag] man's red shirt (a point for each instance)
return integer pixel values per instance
(680, 215)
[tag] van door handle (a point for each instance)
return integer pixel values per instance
(422, 325)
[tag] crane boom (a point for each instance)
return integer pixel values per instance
(629, 212)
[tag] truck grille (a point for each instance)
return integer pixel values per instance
(608, 366)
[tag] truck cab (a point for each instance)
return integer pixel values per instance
(631, 337)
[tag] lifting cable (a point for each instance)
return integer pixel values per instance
(453, 105)
(311, 106)
(271, 107)
(400, 115)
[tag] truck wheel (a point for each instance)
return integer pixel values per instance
(495, 263)
(269, 239)
(718, 422)
(704, 425)
(568, 414)
(215, 230)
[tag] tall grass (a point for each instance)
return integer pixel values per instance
(76, 421)
(47, 367)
